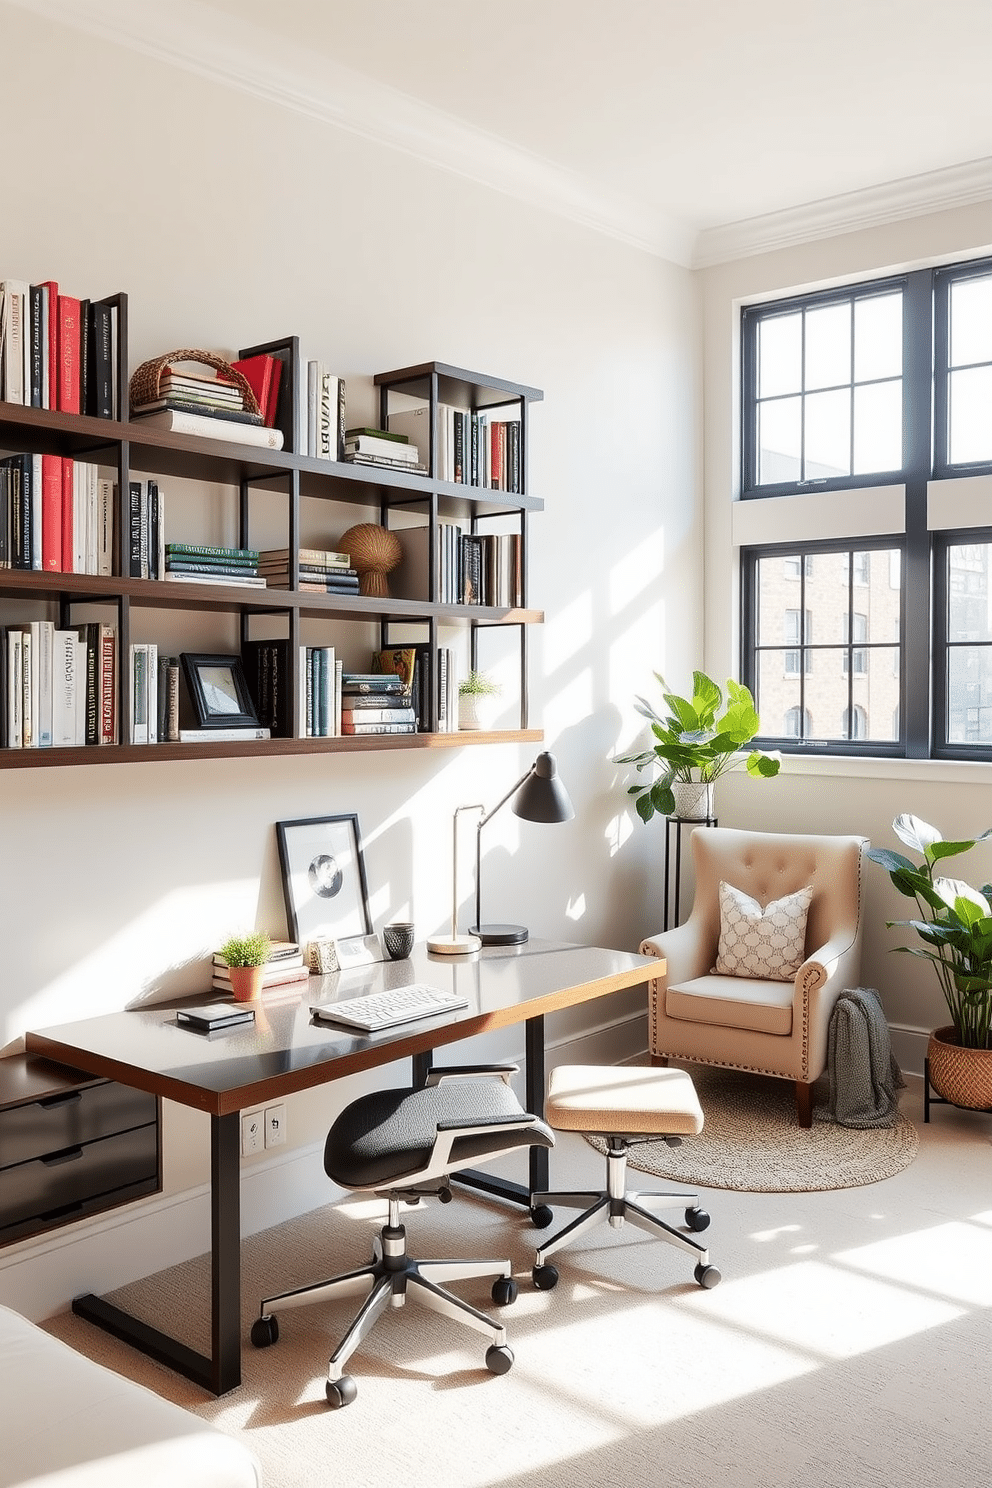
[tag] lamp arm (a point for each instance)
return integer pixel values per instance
(454, 865)
(488, 816)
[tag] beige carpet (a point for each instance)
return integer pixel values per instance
(847, 1346)
(751, 1141)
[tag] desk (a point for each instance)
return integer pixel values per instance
(286, 1050)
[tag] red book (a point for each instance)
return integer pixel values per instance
(69, 311)
(51, 351)
(51, 513)
(263, 373)
(68, 534)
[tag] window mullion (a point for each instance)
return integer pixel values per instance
(917, 415)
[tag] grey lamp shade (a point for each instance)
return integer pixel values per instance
(542, 797)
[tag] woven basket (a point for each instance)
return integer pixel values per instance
(145, 384)
(962, 1076)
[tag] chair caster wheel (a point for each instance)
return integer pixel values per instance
(340, 1392)
(545, 1277)
(697, 1219)
(541, 1217)
(264, 1330)
(499, 1358)
(707, 1276)
(504, 1291)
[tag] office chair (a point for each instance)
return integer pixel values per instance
(623, 1105)
(403, 1145)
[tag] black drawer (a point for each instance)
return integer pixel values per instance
(77, 1174)
(70, 1118)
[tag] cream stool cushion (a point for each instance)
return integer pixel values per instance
(625, 1101)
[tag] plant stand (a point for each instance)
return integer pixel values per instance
(941, 1100)
(678, 822)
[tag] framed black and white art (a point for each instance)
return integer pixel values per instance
(219, 691)
(323, 880)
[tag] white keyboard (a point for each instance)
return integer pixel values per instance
(377, 1010)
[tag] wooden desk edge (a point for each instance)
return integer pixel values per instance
(419, 1041)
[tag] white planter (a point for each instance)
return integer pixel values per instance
(694, 799)
(476, 710)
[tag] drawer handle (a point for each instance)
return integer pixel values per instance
(49, 1102)
(67, 1155)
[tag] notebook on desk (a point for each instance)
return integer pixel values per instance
(214, 1015)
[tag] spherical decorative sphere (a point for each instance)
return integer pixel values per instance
(374, 552)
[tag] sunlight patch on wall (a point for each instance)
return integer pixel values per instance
(635, 573)
(568, 632)
(576, 907)
(571, 703)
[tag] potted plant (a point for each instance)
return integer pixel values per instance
(695, 742)
(954, 922)
(246, 956)
(475, 705)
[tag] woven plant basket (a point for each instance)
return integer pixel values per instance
(145, 384)
(962, 1076)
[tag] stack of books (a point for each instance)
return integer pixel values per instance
(56, 515)
(195, 403)
(322, 571)
(199, 563)
(377, 703)
(58, 688)
(380, 447)
(284, 970)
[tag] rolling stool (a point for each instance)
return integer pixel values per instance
(623, 1105)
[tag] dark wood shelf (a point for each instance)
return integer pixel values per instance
(142, 754)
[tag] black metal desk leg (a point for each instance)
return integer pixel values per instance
(504, 1188)
(225, 1251)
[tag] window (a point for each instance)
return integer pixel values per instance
(882, 384)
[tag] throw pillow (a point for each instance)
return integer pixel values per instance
(756, 942)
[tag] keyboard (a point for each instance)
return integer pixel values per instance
(377, 1010)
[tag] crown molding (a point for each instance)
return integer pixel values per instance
(913, 196)
(190, 35)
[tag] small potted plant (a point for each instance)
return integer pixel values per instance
(695, 742)
(246, 956)
(476, 695)
(954, 922)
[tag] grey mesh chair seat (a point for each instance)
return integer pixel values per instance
(404, 1144)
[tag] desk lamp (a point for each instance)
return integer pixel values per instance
(538, 796)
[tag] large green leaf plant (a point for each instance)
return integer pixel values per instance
(698, 738)
(954, 923)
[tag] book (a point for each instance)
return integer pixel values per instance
(213, 1016)
(14, 339)
(263, 374)
(178, 404)
(397, 660)
(100, 361)
(348, 727)
(207, 385)
(64, 689)
(356, 458)
(397, 438)
(69, 310)
(205, 550)
(325, 557)
(391, 448)
(399, 714)
(108, 684)
(242, 581)
(169, 421)
(372, 682)
(139, 693)
(266, 665)
(36, 349)
(222, 735)
(281, 952)
(211, 566)
(273, 975)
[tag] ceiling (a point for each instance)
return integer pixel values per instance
(677, 124)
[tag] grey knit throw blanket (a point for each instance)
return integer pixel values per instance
(864, 1075)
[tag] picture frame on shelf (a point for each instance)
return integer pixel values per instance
(324, 884)
(219, 691)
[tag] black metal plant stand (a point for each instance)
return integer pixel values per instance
(678, 822)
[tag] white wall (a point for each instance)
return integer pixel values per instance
(834, 795)
(229, 221)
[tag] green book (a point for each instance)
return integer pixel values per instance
(377, 434)
(195, 550)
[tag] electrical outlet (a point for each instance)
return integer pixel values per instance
(275, 1126)
(252, 1133)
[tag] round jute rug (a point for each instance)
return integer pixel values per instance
(751, 1142)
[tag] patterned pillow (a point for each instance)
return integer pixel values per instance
(756, 942)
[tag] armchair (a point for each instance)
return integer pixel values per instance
(768, 1027)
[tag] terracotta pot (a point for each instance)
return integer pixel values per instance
(246, 982)
(962, 1076)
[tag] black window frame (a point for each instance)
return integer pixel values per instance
(923, 610)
